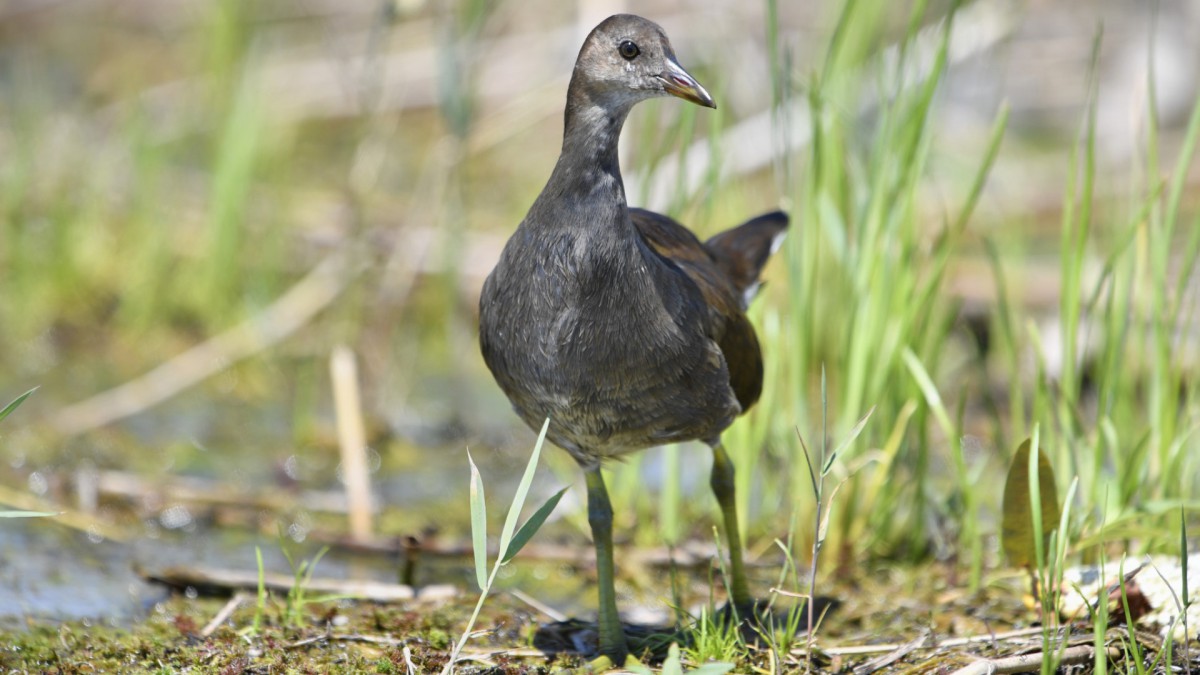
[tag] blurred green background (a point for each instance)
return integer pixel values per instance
(994, 229)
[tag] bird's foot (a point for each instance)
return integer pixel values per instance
(751, 619)
(759, 622)
(576, 636)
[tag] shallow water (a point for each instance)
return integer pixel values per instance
(51, 572)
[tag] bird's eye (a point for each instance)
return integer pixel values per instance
(628, 50)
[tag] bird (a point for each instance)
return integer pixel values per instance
(617, 323)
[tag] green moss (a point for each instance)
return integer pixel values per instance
(439, 639)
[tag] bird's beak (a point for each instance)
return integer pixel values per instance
(677, 82)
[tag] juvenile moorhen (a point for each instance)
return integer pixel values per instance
(617, 323)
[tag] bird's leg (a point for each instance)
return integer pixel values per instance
(600, 516)
(722, 486)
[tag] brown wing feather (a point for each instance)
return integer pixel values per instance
(729, 326)
(742, 252)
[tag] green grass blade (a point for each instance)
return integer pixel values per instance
(531, 526)
(929, 390)
(311, 567)
(1183, 559)
(1035, 506)
(514, 511)
(478, 524)
(260, 607)
(853, 436)
(837, 40)
(15, 403)
(985, 168)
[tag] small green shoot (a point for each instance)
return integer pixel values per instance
(297, 597)
(1041, 535)
(1136, 656)
(16, 402)
(824, 506)
(1100, 618)
(510, 543)
(1034, 535)
(783, 637)
(715, 639)
(260, 606)
(673, 665)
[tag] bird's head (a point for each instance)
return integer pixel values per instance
(627, 59)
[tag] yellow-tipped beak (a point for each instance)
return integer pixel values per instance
(677, 82)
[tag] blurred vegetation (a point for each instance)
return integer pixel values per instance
(170, 170)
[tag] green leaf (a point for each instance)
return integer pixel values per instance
(531, 526)
(16, 403)
(637, 668)
(1018, 527)
(478, 524)
(672, 666)
(27, 514)
(514, 511)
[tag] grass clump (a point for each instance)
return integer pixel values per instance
(866, 301)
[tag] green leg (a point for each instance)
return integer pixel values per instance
(723, 488)
(600, 516)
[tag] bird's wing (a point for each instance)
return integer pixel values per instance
(728, 325)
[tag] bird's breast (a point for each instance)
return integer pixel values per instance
(588, 331)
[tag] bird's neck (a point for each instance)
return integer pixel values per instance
(592, 128)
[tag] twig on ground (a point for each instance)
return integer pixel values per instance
(938, 644)
(213, 579)
(697, 556)
(1026, 663)
(353, 637)
(316, 639)
(888, 659)
(412, 667)
(538, 605)
(223, 615)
